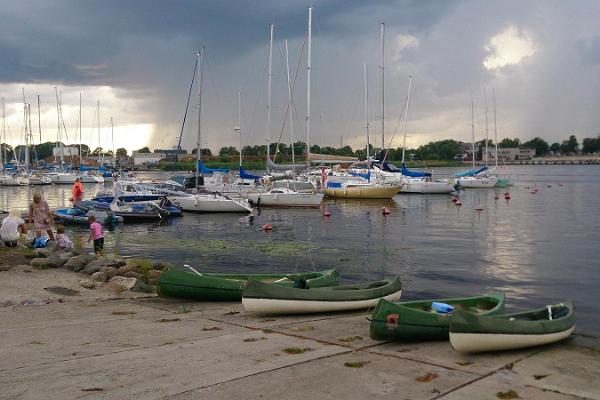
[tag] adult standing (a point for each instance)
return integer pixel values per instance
(39, 213)
(77, 191)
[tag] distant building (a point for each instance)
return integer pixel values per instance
(172, 153)
(514, 154)
(68, 151)
(146, 158)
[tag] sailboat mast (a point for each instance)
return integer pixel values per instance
(486, 128)
(200, 56)
(473, 132)
(80, 153)
(100, 152)
(367, 119)
(495, 129)
(290, 107)
(268, 130)
(382, 86)
(58, 133)
(406, 119)
(240, 122)
(112, 138)
(308, 60)
(3, 139)
(39, 118)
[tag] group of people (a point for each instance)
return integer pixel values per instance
(13, 226)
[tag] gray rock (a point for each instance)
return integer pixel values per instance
(100, 276)
(43, 252)
(123, 270)
(5, 268)
(94, 266)
(77, 263)
(87, 284)
(51, 262)
(142, 287)
(160, 265)
(153, 276)
(23, 268)
(132, 274)
(125, 283)
(110, 271)
(116, 262)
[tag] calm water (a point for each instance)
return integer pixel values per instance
(538, 248)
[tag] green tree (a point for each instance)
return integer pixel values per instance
(590, 145)
(121, 152)
(507, 142)
(555, 147)
(98, 151)
(540, 145)
(144, 149)
(569, 146)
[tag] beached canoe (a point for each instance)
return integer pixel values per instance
(213, 286)
(269, 299)
(471, 333)
(418, 321)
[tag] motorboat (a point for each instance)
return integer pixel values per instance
(284, 197)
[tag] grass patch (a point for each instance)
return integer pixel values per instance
(212, 328)
(511, 394)
(253, 339)
(356, 364)
(163, 320)
(185, 310)
(427, 377)
(123, 313)
(296, 350)
(304, 328)
(349, 339)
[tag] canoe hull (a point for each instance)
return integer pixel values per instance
(485, 342)
(285, 306)
(229, 287)
(412, 321)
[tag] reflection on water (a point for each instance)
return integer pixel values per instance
(538, 248)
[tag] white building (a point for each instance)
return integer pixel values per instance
(146, 158)
(514, 153)
(68, 151)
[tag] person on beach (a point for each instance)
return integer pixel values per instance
(12, 228)
(39, 213)
(77, 191)
(62, 239)
(96, 234)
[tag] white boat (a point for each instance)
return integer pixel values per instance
(68, 178)
(474, 182)
(9, 180)
(285, 197)
(210, 203)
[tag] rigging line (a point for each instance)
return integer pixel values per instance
(395, 131)
(287, 110)
(187, 106)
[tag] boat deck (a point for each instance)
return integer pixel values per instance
(181, 350)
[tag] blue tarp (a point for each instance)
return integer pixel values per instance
(471, 172)
(414, 174)
(245, 175)
(86, 168)
(206, 170)
(334, 185)
(366, 176)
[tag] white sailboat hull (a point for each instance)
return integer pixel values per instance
(420, 186)
(476, 182)
(13, 181)
(273, 306)
(482, 342)
(210, 203)
(269, 199)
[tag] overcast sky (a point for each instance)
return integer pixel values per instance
(136, 58)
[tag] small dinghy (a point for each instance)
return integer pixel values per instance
(270, 299)
(138, 212)
(79, 216)
(427, 319)
(213, 286)
(471, 333)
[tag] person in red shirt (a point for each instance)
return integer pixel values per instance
(77, 191)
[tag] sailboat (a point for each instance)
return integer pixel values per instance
(286, 196)
(474, 177)
(206, 202)
(502, 182)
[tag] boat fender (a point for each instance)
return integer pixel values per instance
(441, 308)
(267, 227)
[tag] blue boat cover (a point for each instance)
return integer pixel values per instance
(366, 176)
(414, 174)
(205, 170)
(471, 172)
(86, 168)
(245, 175)
(334, 185)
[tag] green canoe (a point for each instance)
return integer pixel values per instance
(475, 333)
(269, 299)
(416, 320)
(214, 286)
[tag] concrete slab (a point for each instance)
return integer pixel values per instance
(252, 320)
(568, 369)
(441, 353)
(28, 347)
(380, 377)
(345, 331)
(153, 373)
(505, 383)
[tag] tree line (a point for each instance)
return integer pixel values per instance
(45, 150)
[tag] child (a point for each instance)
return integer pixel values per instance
(96, 234)
(11, 229)
(62, 239)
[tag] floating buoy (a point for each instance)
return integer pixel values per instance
(549, 186)
(458, 203)
(506, 196)
(267, 227)
(454, 199)
(385, 211)
(496, 197)
(479, 207)
(326, 213)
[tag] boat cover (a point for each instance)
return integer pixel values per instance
(366, 176)
(245, 175)
(471, 172)
(205, 170)
(414, 174)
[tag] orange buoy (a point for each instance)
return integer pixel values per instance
(267, 227)
(385, 211)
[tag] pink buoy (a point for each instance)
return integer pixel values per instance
(385, 211)
(458, 203)
(267, 227)
(506, 196)
(326, 213)
(454, 199)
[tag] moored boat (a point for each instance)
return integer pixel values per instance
(284, 197)
(79, 216)
(263, 298)
(471, 333)
(418, 320)
(228, 287)
(351, 190)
